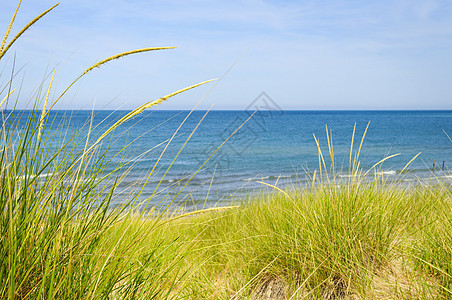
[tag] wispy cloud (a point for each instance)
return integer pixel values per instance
(390, 53)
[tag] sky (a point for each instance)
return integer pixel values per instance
(305, 55)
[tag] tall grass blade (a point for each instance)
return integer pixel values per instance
(9, 27)
(329, 137)
(102, 62)
(6, 97)
(140, 109)
(350, 170)
(43, 113)
(32, 22)
(356, 159)
(409, 163)
(380, 162)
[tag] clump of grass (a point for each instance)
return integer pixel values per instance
(55, 208)
(324, 241)
(361, 238)
(366, 240)
(433, 253)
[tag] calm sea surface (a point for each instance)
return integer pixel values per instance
(271, 145)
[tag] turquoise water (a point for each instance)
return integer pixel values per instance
(271, 145)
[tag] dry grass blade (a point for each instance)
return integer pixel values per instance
(102, 62)
(276, 188)
(409, 163)
(380, 162)
(355, 163)
(329, 137)
(306, 280)
(25, 29)
(321, 159)
(7, 96)
(351, 149)
(43, 113)
(9, 27)
(252, 279)
(140, 109)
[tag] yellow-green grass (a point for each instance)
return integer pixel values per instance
(356, 240)
(353, 241)
(55, 201)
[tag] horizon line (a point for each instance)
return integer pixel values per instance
(238, 110)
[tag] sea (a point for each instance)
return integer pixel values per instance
(198, 159)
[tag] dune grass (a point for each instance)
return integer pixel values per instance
(354, 241)
(60, 238)
(55, 203)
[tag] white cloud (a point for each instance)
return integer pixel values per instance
(393, 53)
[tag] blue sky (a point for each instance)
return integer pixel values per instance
(303, 54)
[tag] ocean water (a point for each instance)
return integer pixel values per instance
(273, 146)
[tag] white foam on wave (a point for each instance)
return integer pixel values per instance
(268, 177)
(256, 178)
(387, 173)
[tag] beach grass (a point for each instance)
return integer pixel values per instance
(61, 237)
(354, 241)
(56, 203)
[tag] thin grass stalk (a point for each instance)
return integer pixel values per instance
(321, 160)
(6, 97)
(5, 37)
(329, 137)
(356, 160)
(134, 113)
(149, 104)
(213, 153)
(210, 185)
(409, 163)
(379, 162)
(43, 113)
(25, 28)
(10, 84)
(350, 171)
(82, 162)
(102, 62)
(319, 153)
(177, 154)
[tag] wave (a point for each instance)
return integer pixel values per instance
(387, 173)
(271, 177)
